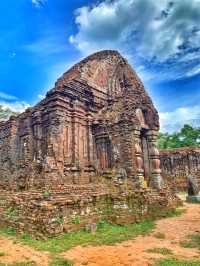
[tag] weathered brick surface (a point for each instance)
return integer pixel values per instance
(71, 209)
(177, 164)
(97, 117)
(96, 124)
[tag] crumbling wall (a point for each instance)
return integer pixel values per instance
(43, 214)
(177, 164)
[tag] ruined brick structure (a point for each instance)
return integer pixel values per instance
(177, 164)
(89, 145)
(96, 119)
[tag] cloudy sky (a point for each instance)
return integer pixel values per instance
(40, 39)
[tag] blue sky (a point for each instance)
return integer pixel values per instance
(40, 39)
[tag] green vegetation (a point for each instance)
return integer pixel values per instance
(10, 213)
(175, 262)
(46, 194)
(5, 113)
(58, 220)
(31, 263)
(170, 213)
(186, 137)
(2, 254)
(8, 231)
(76, 220)
(193, 242)
(58, 261)
(106, 234)
(163, 251)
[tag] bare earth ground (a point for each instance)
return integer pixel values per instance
(128, 253)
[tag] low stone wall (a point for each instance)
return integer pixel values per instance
(177, 164)
(47, 214)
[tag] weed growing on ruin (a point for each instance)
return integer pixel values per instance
(46, 194)
(10, 213)
(163, 251)
(106, 234)
(58, 261)
(76, 220)
(175, 262)
(58, 220)
(193, 242)
(2, 254)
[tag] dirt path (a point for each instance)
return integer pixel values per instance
(128, 253)
(14, 252)
(133, 252)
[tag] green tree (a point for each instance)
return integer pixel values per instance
(186, 137)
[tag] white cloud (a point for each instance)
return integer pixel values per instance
(6, 96)
(41, 97)
(38, 3)
(194, 71)
(16, 106)
(155, 31)
(172, 121)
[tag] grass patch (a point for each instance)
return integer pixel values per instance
(58, 261)
(193, 242)
(163, 251)
(106, 234)
(175, 262)
(159, 235)
(172, 213)
(31, 263)
(2, 254)
(8, 231)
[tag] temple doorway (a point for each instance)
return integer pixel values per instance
(104, 153)
(145, 154)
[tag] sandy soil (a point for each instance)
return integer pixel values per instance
(15, 252)
(133, 252)
(128, 253)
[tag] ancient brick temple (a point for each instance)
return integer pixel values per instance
(97, 119)
(85, 149)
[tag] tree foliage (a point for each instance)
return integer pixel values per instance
(5, 113)
(186, 137)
